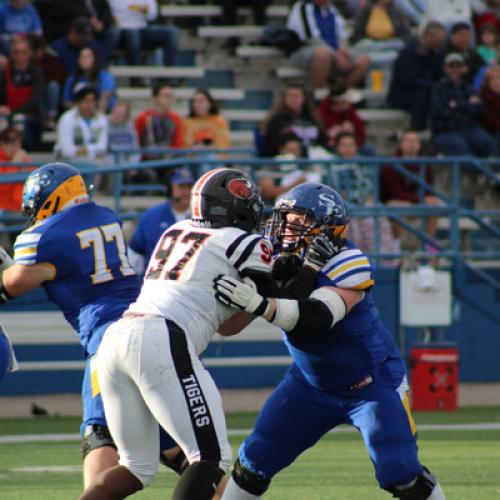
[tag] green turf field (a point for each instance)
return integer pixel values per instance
(466, 461)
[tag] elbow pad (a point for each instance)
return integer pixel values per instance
(313, 316)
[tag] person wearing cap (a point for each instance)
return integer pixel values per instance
(82, 132)
(460, 41)
(338, 114)
(68, 48)
(417, 68)
(456, 111)
(157, 219)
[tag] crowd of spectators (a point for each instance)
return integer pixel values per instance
(444, 71)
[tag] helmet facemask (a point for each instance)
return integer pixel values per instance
(292, 230)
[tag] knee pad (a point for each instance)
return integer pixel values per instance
(178, 464)
(248, 480)
(419, 489)
(96, 436)
(198, 482)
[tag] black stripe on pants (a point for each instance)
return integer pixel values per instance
(201, 420)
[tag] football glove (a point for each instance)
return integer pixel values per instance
(241, 295)
(5, 259)
(320, 251)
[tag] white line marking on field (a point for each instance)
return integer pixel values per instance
(36, 438)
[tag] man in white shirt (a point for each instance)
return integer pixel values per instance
(82, 132)
(132, 18)
(321, 28)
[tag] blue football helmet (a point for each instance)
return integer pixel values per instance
(51, 188)
(304, 211)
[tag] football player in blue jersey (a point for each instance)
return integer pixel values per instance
(346, 366)
(76, 251)
(157, 219)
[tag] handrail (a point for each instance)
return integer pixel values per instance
(452, 208)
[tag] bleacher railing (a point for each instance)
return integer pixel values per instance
(454, 209)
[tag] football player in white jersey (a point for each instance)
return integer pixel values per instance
(149, 368)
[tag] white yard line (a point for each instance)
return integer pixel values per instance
(35, 438)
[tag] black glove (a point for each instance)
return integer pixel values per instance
(321, 249)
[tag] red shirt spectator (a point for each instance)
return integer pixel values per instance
(338, 114)
(11, 195)
(160, 126)
(490, 93)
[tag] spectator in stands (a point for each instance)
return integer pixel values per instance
(59, 16)
(21, 93)
(205, 127)
(460, 42)
(54, 76)
(487, 47)
(418, 67)
(276, 180)
(486, 12)
(89, 72)
(321, 27)
(132, 18)
(82, 132)
(380, 25)
(456, 111)
(122, 136)
(448, 12)
(11, 151)
(160, 126)
(229, 10)
(68, 48)
(294, 112)
(414, 9)
(356, 183)
(17, 17)
(490, 94)
(338, 114)
(157, 219)
(396, 189)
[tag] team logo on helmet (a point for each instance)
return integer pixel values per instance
(240, 188)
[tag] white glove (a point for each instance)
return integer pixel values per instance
(241, 295)
(5, 259)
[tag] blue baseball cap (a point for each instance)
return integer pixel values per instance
(182, 176)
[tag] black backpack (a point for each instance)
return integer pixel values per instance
(276, 35)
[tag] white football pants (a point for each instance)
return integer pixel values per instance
(148, 373)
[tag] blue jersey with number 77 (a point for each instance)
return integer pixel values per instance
(94, 282)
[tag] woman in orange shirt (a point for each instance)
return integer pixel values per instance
(205, 127)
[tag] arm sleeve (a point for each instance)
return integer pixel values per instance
(107, 82)
(65, 135)
(314, 318)
(299, 287)
(152, 10)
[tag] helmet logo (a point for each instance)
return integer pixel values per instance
(240, 188)
(331, 206)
